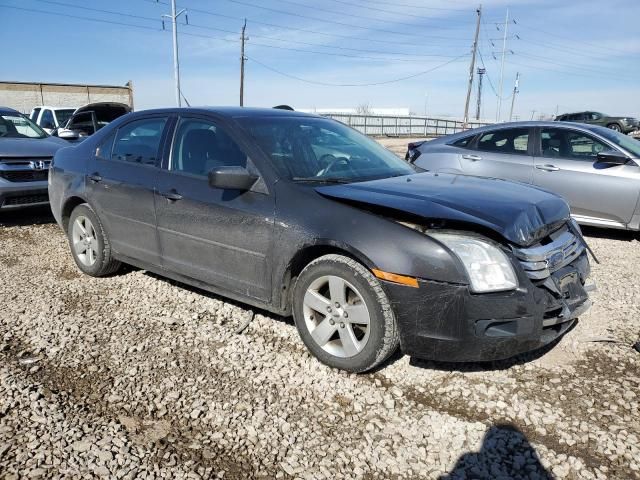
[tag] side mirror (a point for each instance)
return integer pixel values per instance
(68, 134)
(232, 178)
(612, 157)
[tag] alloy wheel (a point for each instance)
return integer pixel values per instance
(336, 316)
(85, 243)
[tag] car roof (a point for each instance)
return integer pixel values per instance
(49, 107)
(8, 111)
(232, 112)
(523, 124)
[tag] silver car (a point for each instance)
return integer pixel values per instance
(597, 170)
(25, 156)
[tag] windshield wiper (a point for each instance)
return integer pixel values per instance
(337, 180)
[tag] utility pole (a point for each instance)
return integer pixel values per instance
(176, 64)
(472, 66)
(513, 97)
(481, 72)
(242, 60)
(504, 49)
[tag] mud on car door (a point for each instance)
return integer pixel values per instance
(203, 229)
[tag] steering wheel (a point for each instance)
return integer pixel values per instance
(332, 161)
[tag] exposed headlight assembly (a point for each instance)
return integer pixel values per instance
(488, 268)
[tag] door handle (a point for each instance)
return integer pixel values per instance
(473, 158)
(548, 168)
(172, 196)
(95, 177)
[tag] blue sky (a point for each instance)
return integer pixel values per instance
(571, 54)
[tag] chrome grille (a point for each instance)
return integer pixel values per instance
(540, 261)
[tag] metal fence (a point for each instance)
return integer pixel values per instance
(393, 126)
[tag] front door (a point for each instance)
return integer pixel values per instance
(221, 237)
(597, 193)
(502, 153)
(121, 182)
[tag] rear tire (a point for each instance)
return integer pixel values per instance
(343, 315)
(89, 244)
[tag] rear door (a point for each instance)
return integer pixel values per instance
(219, 236)
(502, 153)
(566, 164)
(121, 183)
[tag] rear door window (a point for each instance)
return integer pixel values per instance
(511, 141)
(139, 141)
(570, 144)
(464, 142)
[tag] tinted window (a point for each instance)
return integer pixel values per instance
(139, 141)
(562, 143)
(34, 114)
(200, 146)
(508, 140)
(47, 120)
(463, 142)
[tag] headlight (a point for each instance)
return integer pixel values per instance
(489, 269)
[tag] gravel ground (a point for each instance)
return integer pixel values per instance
(134, 376)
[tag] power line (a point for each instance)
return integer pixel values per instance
(318, 19)
(415, 6)
(577, 42)
(66, 15)
(386, 59)
(344, 14)
(326, 84)
(386, 41)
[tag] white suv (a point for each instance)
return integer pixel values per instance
(50, 118)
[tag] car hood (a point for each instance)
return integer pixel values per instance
(520, 213)
(30, 147)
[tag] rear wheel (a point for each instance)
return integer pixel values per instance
(615, 127)
(343, 315)
(89, 244)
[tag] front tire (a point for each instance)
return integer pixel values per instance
(89, 244)
(343, 315)
(615, 127)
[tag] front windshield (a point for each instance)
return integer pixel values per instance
(19, 126)
(64, 115)
(309, 149)
(630, 144)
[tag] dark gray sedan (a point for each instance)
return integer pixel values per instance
(597, 170)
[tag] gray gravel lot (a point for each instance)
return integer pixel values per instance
(134, 376)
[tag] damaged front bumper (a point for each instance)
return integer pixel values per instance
(447, 322)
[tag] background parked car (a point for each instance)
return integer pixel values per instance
(619, 124)
(597, 170)
(25, 155)
(87, 120)
(51, 118)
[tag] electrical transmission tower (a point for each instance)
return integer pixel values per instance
(481, 72)
(243, 59)
(176, 63)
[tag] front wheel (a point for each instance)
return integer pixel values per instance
(89, 244)
(615, 127)
(343, 315)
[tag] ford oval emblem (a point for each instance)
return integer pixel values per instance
(555, 259)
